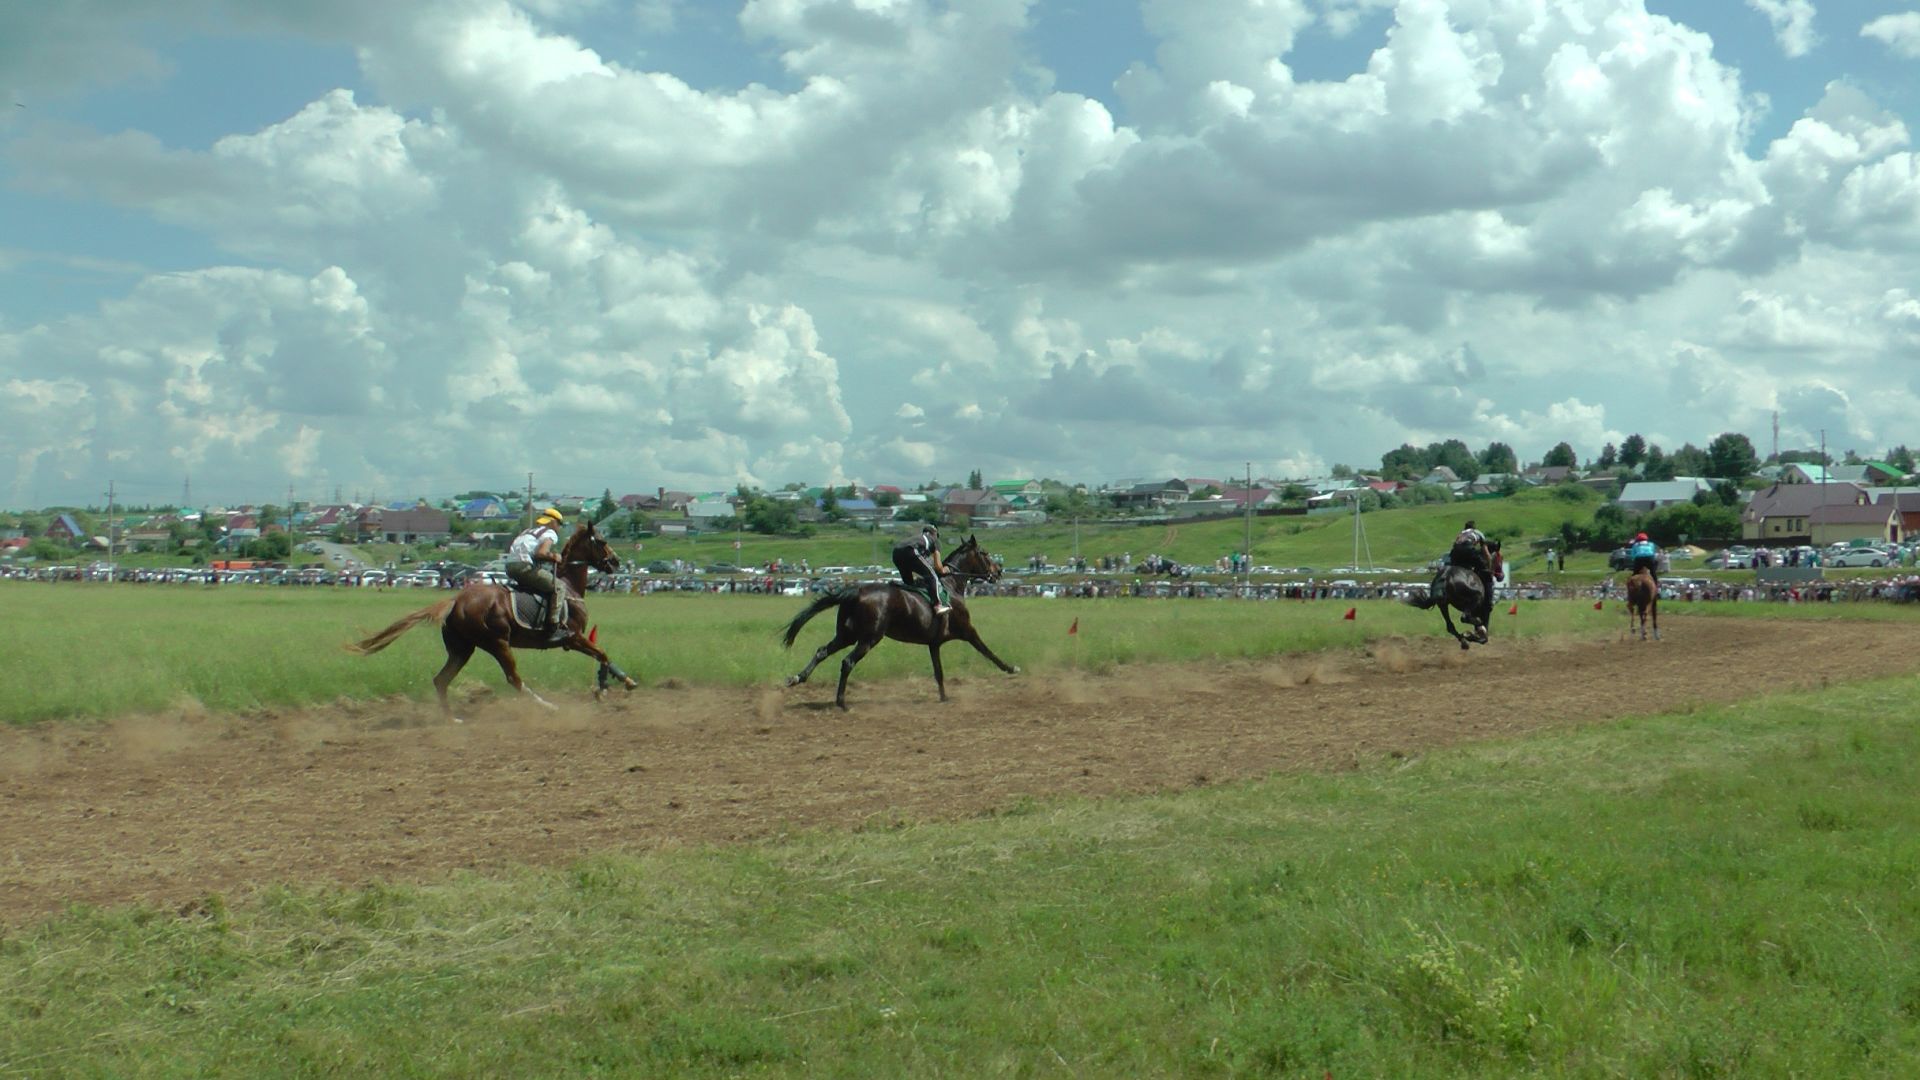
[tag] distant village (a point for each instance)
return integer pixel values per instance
(1797, 502)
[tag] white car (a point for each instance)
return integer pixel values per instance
(1860, 557)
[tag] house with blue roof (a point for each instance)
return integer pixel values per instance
(862, 509)
(65, 529)
(487, 509)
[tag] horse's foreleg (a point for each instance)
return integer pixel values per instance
(840, 641)
(608, 669)
(459, 651)
(939, 677)
(846, 671)
(1447, 617)
(972, 637)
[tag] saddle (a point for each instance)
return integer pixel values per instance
(529, 610)
(917, 590)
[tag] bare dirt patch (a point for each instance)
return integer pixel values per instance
(166, 809)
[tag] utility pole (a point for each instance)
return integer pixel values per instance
(1823, 468)
(186, 491)
(529, 523)
(110, 533)
(1246, 548)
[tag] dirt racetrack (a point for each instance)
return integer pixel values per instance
(167, 809)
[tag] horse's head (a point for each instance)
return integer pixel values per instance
(586, 545)
(973, 561)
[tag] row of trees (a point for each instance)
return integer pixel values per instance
(1729, 456)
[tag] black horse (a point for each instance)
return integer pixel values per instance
(869, 613)
(1460, 588)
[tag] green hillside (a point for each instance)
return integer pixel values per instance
(1405, 538)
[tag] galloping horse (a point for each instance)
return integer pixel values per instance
(1460, 588)
(869, 613)
(481, 616)
(1643, 600)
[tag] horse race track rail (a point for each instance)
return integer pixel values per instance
(167, 809)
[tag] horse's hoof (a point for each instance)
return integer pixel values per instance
(793, 680)
(632, 685)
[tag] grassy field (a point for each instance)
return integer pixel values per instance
(1726, 892)
(99, 650)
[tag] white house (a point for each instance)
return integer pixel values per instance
(1643, 495)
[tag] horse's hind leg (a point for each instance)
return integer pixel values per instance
(459, 651)
(841, 639)
(846, 670)
(502, 653)
(1458, 636)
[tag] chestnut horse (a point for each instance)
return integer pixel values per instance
(869, 613)
(1643, 600)
(481, 617)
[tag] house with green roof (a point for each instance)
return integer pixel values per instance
(1020, 494)
(1870, 473)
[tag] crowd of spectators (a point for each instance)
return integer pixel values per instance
(793, 581)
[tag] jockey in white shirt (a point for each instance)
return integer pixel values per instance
(537, 545)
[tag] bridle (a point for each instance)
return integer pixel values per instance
(600, 553)
(973, 551)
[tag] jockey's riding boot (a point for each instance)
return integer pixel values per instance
(941, 609)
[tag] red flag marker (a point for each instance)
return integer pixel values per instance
(1599, 605)
(1075, 628)
(593, 635)
(1514, 610)
(1349, 616)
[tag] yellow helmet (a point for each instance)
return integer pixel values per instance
(551, 513)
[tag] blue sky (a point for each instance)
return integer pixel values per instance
(894, 240)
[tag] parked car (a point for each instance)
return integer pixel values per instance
(1730, 560)
(1618, 559)
(1866, 556)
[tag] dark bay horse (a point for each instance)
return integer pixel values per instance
(1643, 600)
(1460, 588)
(480, 616)
(869, 613)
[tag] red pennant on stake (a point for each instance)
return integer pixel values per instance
(1514, 610)
(593, 635)
(1599, 605)
(1349, 616)
(1075, 628)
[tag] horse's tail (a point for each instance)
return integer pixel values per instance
(369, 646)
(1423, 601)
(825, 600)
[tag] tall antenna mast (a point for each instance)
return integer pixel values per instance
(1776, 434)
